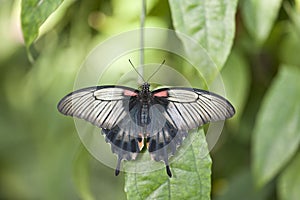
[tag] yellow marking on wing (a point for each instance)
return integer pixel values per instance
(141, 143)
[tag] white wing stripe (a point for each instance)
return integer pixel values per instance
(74, 105)
(170, 119)
(93, 112)
(107, 113)
(102, 115)
(186, 115)
(193, 114)
(180, 115)
(210, 108)
(69, 99)
(82, 108)
(112, 117)
(205, 109)
(197, 108)
(172, 111)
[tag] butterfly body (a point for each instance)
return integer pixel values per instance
(130, 118)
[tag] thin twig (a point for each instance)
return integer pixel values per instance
(142, 40)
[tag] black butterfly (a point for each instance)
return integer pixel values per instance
(160, 119)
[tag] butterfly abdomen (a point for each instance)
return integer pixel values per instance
(145, 119)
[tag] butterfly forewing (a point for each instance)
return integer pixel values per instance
(190, 108)
(103, 106)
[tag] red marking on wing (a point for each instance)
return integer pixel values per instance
(129, 93)
(163, 93)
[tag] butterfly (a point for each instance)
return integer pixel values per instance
(159, 120)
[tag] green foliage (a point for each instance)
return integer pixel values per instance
(237, 67)
(34, 13)
(210, 23)
(289, 180)
(260, 17)
(191, 175)
(255, 46)
(274, 144)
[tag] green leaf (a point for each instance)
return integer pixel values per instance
(33, 14)
(235, 75)
(290, 45)
(241, 186)
(210, 22)
(259, 17)
(82, 174)
(191, 174)
(289, 181)
(276, 132)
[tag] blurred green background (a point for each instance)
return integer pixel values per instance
(41, 154)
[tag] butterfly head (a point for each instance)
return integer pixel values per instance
(145, 91)
(145, 87)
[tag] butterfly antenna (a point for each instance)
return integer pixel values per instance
(163, 62)
(136, 70)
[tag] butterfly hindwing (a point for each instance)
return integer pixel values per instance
(125, 140)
